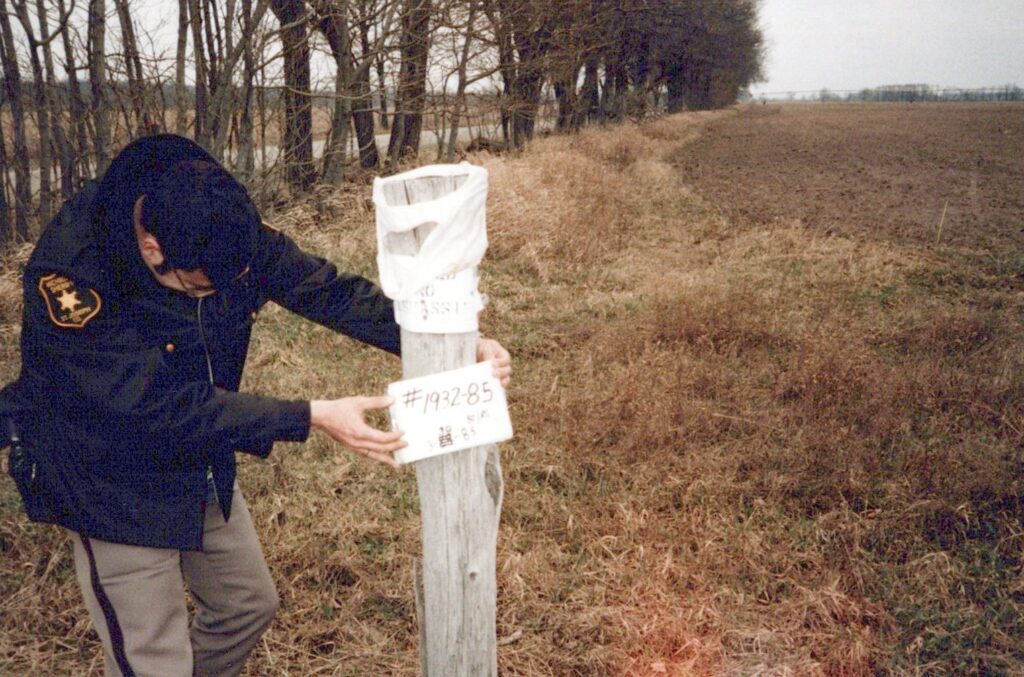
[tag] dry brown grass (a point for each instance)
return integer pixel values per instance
(742, 448)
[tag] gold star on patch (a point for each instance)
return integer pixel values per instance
(68, 305)
(68, 300)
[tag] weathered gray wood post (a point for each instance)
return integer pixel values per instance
(460, 502)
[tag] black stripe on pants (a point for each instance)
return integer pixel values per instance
(113, 627)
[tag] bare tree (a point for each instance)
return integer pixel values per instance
(216, 57)
(200, 114)
(370, 17)
(576, 33)
(12, 90)
(246, 163)
(65, 154)
(382, 87)
(79, 117)
(6, 227)
(333, 23)
(132, 64)
(43, 125)
(362, 107)
(180, 90)
(462, 67)
(602, 59)
(98, 82)
(412, 81)
(338, 21)
(224, 93)
(589, 100)
(702, 53)
(524, 33)
(298, 130)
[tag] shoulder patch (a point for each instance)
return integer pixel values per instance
(69, 305)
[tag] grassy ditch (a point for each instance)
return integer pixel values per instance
(741, 448)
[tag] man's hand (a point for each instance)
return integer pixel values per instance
(343, 421)
(489, 349)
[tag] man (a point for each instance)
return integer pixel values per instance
(139, 301)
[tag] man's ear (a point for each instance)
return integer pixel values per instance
(149, 246)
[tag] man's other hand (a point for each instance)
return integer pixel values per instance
(343, 420)
(489, 349)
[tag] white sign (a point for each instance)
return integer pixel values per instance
(447, 305)
(449, 411)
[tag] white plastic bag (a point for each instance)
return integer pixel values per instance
(432, 278)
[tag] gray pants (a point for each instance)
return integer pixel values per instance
(135, 597)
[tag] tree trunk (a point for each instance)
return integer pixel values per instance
(229, 23)
(333, 23)
(521, 47)
(223, 94)
(180, 90)
(565, 96)
(362, 117)
(371, 55)
(382, 88)
(12, 89)
(505, 104)
(261, 107)
(362, 107)
(621, 90)
(675, 85)
(79, 117)
(65, 156)
(460, 93)
(6, 227)
(201, 110)
(590, 102)
(132, 66)
(43, 126)
(412, 87)
(98, 82)
(212, 125)
(526, 100)
(298, 132)
(246, 158)
(159, 106)
(507, 68)
(336, 148)
(383, 21)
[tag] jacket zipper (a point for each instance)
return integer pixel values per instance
(202, 337)
(209, 372)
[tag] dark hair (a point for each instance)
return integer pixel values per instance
(204, 219)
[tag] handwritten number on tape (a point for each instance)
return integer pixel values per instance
(449, 411)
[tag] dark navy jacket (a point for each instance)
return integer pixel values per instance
(128, 390)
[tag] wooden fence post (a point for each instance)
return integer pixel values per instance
(460, 503)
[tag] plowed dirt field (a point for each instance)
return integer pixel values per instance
(870, 170)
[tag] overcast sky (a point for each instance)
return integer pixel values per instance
(852, 44)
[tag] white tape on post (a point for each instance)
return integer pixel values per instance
(449, 230)
(450, 304)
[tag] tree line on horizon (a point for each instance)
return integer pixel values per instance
(82, 77)
(911, 93)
